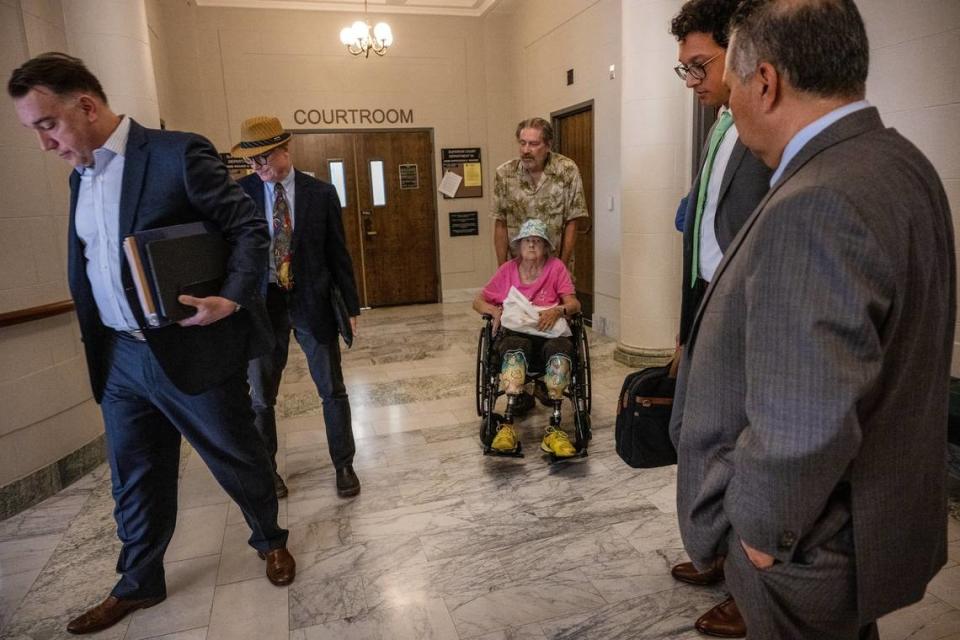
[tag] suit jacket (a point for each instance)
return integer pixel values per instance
(320, 256)
(813, 390)
(745, 181)
(174, 178)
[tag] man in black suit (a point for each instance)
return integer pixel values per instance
(156, 385)
(730, 184)
(308, 259)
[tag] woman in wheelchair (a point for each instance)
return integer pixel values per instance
(527, 296)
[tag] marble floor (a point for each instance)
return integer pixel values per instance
(442, 543)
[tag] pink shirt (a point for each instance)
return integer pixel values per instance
(545, 291)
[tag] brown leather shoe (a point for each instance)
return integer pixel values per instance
(348, 484)
(279, 486)
(723, 621)
(108, 613)
(281, 567)
(686, 572)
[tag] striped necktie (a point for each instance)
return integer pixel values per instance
(724, 122)
(282, 238)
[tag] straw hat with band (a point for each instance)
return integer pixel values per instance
(258, 136)
(531, 227)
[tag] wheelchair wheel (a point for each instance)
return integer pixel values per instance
(483, 346)
(583, 360)
(581, 422)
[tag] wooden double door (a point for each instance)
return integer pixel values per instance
(386, 186)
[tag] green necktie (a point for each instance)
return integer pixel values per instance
(723, 123)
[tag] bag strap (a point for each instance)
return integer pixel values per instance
(675, 362)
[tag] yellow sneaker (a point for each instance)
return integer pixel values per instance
(506, 439)
(558, 443)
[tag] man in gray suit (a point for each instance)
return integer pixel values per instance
(726, 190)
(813, 389)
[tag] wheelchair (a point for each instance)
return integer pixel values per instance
(488, 389)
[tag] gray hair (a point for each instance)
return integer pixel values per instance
(820, 46)
(546, 129)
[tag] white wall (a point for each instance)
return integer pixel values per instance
(222, 66)
(46, 409)
(656, 126)
(914, 46)
(469, 79)
(545, 38)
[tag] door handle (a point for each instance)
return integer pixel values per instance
(368, 223)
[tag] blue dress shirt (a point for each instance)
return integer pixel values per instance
(98, 226)
(809, 132)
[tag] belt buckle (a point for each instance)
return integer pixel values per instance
(137, 335)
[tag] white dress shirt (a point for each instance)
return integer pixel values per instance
(98, 226)
(269, 193)
(710, 253)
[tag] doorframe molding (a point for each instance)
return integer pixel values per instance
(580, 107)
(572, 110)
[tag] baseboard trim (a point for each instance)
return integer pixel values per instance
(641, 358)
(41, 484)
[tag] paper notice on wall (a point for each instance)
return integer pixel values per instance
(471, 174)
(450, 184)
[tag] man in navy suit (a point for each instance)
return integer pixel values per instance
(308, 259)
(156, 385)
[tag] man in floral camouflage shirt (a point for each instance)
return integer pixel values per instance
(539, 184)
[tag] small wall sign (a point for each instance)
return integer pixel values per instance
(409, 176)
(464, 223)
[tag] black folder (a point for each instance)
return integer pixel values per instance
(341, 314)
(170, 261)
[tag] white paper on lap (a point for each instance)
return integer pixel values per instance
(521, 315)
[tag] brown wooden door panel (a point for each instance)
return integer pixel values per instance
(394, 247)
(400, 238)
(574, 134)
(313, 153)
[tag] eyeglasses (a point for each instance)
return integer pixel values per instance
(696, 70)
(261, 159)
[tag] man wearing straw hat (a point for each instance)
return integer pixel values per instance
(308, 261)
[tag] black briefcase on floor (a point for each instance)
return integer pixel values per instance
(643, 417)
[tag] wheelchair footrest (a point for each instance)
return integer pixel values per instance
(582, 453)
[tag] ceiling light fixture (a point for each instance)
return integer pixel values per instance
(359, 38)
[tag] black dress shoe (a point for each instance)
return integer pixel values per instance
(108, 613)
(279, 486)
(348, 484)
(281, 567)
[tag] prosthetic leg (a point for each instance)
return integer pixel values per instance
(557, 379)
(513, 375)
